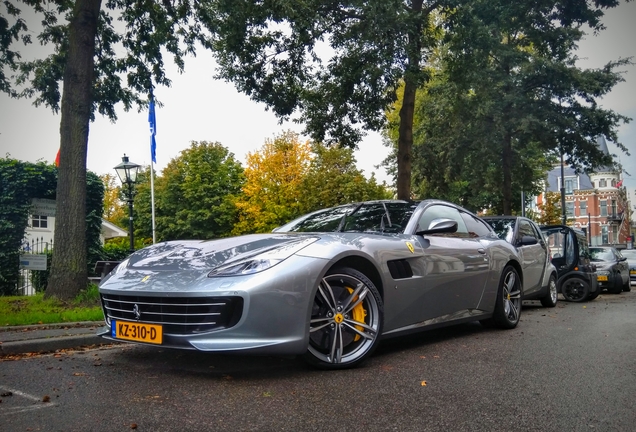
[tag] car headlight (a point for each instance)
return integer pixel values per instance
(263, 260)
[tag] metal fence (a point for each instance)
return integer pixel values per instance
(33, 255)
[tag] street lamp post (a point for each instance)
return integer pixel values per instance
(127, 172)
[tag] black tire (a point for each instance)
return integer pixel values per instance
(627, 287)
(575, 289)
(551, 298)
(617, 288)
(508, 307)
(346, 320)
(593, 295)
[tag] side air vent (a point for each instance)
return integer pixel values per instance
(400, 269)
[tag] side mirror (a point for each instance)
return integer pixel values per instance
(622, 259)
(440, 225)
(528, 241)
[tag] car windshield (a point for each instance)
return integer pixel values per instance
(389, 217)
(504, 228)
(601, 254)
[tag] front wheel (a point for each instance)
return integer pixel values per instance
(508, 307)
(346, 320)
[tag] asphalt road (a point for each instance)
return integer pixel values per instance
(571, 368)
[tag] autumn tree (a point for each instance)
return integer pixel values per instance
(550, 209)
(337, 65)
(194, 195)
(99, 62)
(333, 179)
(114, 211)
(272, 194)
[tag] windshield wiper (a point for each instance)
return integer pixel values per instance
(388, 218)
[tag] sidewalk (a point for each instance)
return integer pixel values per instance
(49, 337)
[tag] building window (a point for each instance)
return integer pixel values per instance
(38, 221)
(604, 236)
(614, 213)
(602, 183)
(570, 183)
(569, 209)
(603, 208)
(614, 234)
(613, 183)
(582, 208)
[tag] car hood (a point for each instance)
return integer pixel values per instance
(206, 255)
(603, 265)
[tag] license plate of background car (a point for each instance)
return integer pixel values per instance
(632, 272)
(138, 332)
(601, 278)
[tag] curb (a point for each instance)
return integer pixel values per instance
(51, 344)
(78, 324)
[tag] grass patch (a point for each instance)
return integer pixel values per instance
(28, 310)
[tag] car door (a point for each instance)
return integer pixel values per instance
(455, 266)
(533, 257)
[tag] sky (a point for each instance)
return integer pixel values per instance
(199, 108)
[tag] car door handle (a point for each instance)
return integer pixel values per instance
(482, 251)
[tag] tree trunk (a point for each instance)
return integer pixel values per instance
(69, 268)
(506, 162)
(405, 139)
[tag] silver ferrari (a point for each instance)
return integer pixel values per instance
(327, 286)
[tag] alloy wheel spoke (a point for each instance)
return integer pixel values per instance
(515, 294)
(330, 300)
(353, 295)
(325, 322)
(335, 355)
(361, 298)
(513, 311)
(370, 331)
(510, 282)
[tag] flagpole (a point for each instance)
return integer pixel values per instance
(152, 200)
(153, 130)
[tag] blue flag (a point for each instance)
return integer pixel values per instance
(153, 128)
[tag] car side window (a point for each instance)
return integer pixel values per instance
(442, 212)
(525, 229)
(475, 227)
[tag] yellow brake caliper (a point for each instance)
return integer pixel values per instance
(358, 314)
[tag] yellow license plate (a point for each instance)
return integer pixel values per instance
(632, 272)
(138, 332)
(601, 278)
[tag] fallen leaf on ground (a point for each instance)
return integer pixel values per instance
(423, 383)
(46, 398)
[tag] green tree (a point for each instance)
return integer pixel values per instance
(454, 158)
(272, 194)
(99, 64)
(333, 179)
(375, 46)
(514, 68)
(194, 196)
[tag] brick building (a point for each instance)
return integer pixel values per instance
(596, 203)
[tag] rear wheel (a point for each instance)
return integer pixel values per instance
(508, 306)
(551, 298)
(346, 320)
(627, 286)
(575, 290)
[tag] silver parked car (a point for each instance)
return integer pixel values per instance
(327, 286)
(630, 255)
(540, 276)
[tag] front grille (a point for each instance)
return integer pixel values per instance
(178, 315)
